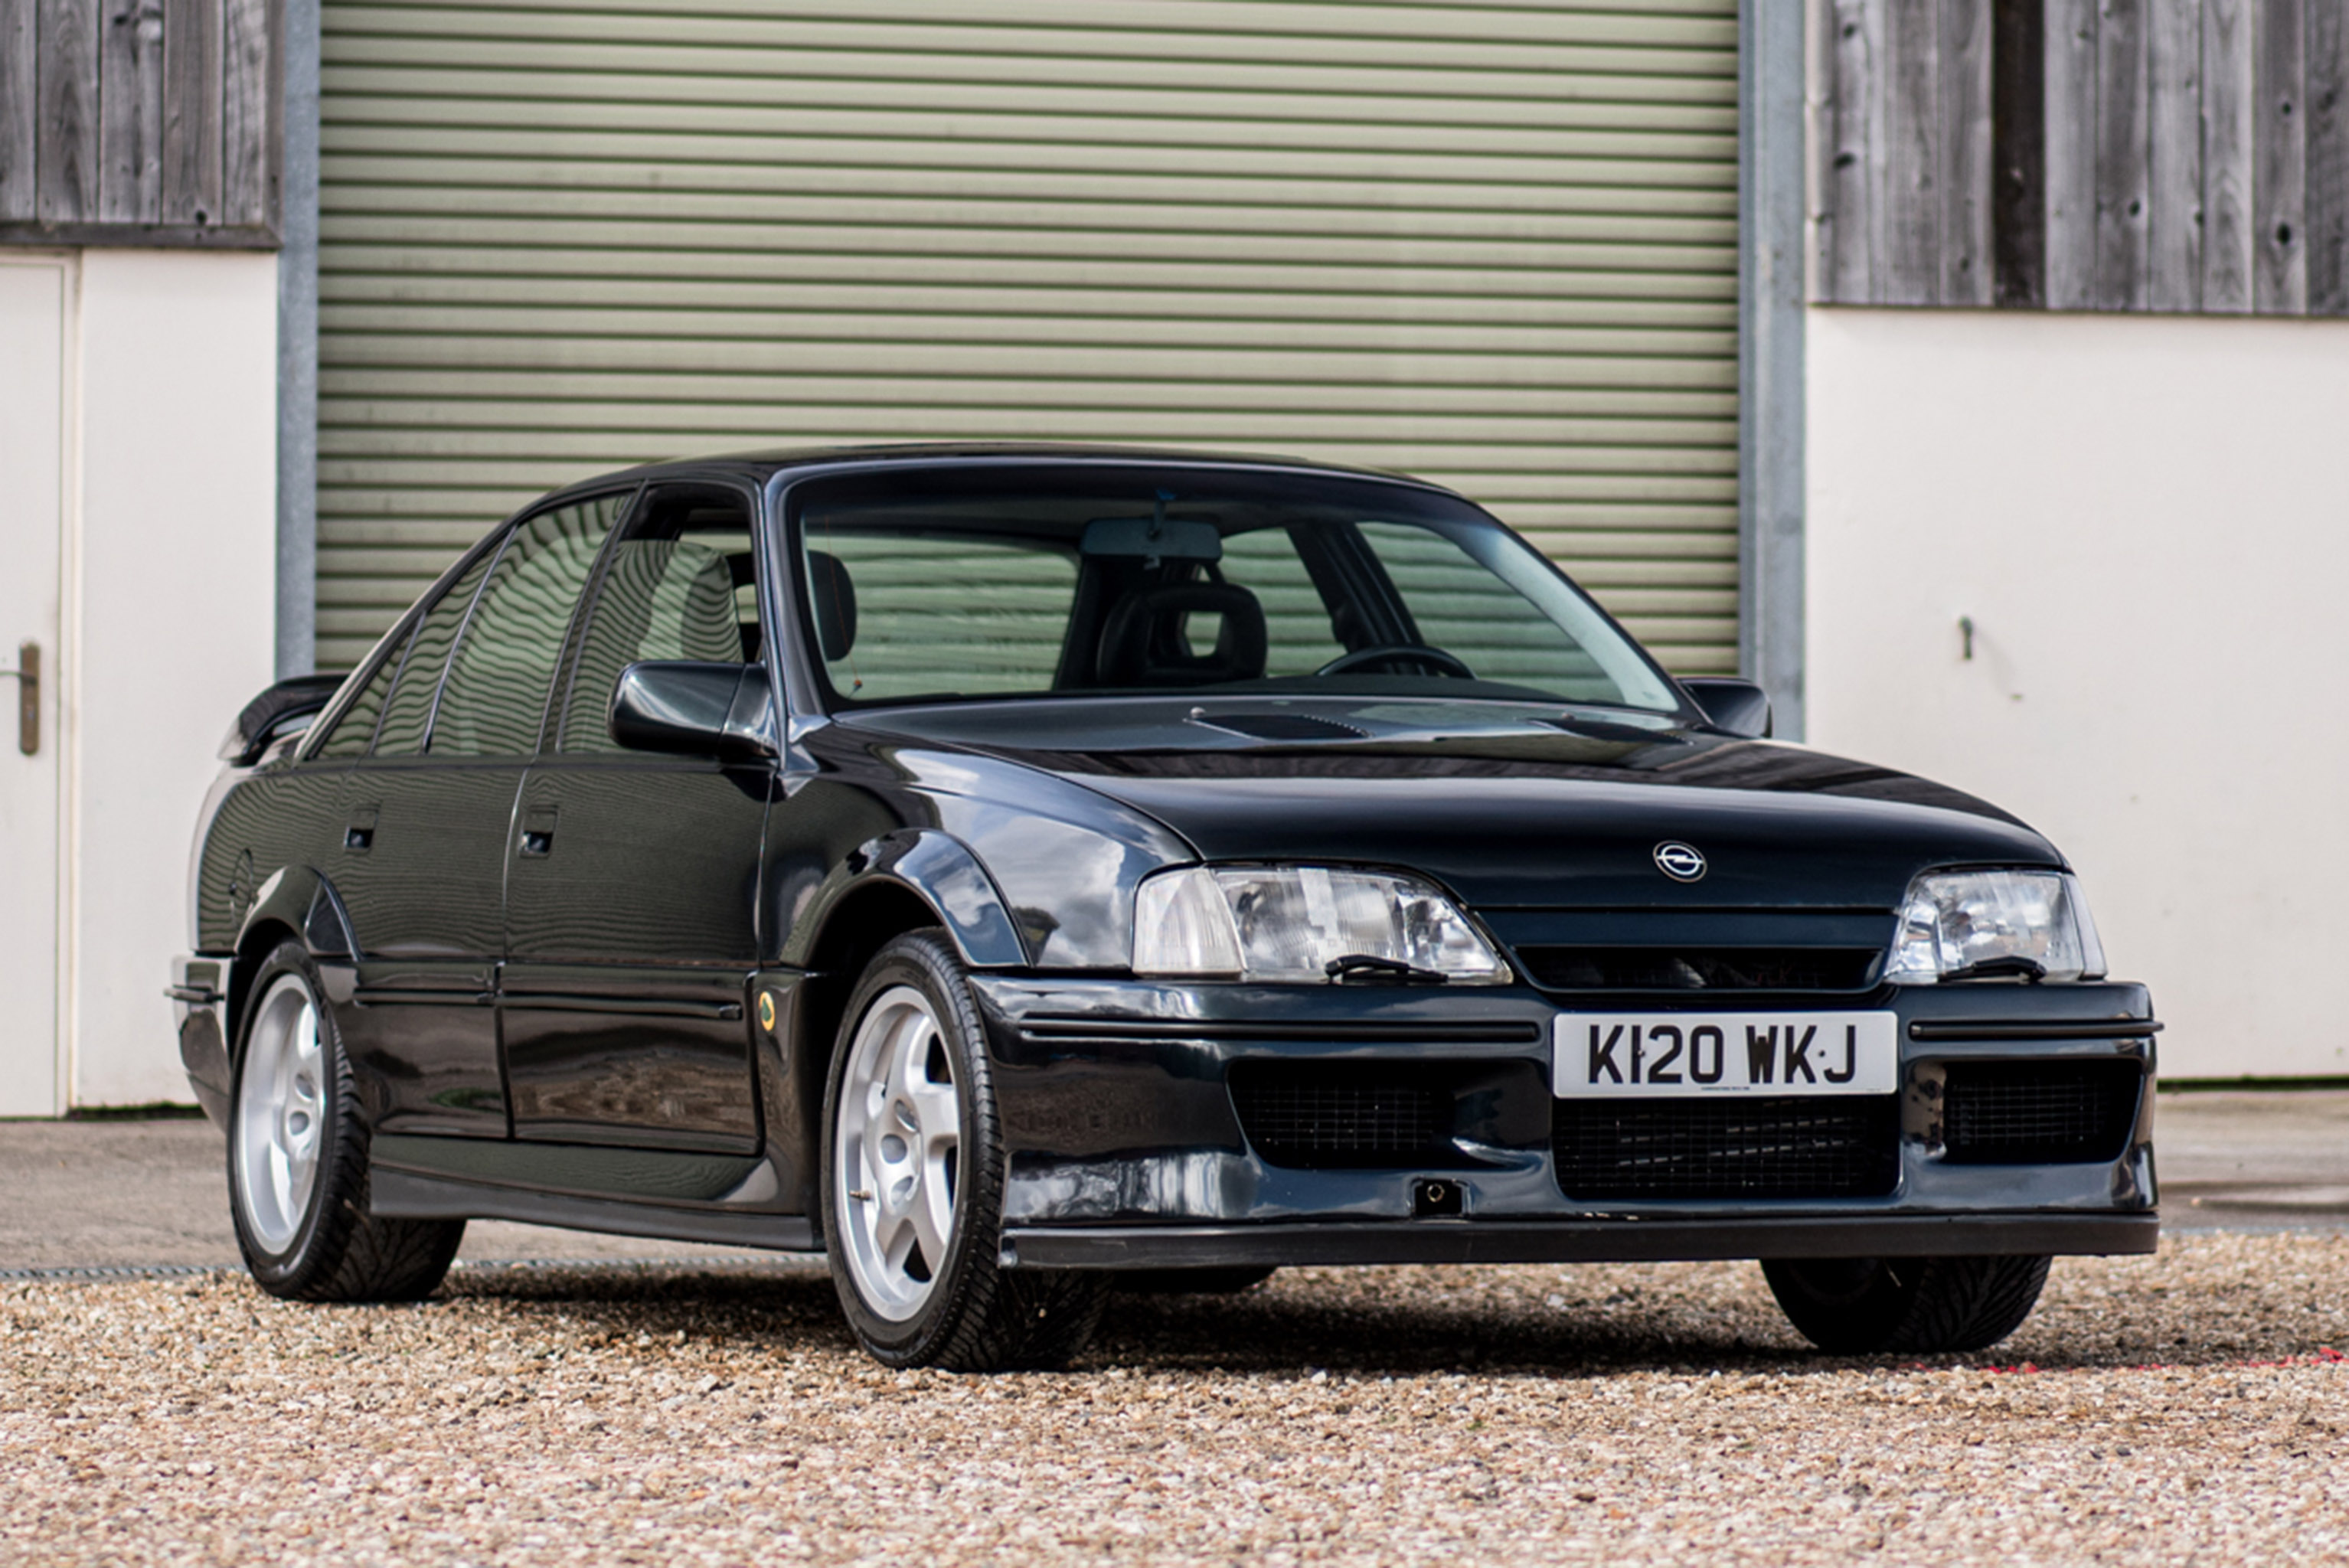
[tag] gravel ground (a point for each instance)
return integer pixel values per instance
(2189, 1406)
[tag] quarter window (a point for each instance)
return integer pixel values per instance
(356, 729)
(493, 702)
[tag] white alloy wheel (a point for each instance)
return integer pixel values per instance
(281, 1106)
(896, 1145)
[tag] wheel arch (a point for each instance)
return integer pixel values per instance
(296, 904)
(910, 881)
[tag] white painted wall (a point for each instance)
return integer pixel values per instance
(2148, 520)
(173, 573)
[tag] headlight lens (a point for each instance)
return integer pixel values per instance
(1990, 922)
(1290, 922)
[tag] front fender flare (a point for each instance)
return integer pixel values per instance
(936, 868)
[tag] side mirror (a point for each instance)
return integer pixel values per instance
(1739, 707)
(725, 711)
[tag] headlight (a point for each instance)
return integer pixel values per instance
(2030, 923)
(1296, 923)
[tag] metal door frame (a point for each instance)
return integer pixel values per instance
(61, 666)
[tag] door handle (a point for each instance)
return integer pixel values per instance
(27, 674)
(538, 831)
(360, 837)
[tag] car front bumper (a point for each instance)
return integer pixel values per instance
(1125, 1148)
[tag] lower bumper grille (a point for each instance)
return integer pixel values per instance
(1315, 1115)
(1757, 1147)
(2039, 1113)
(1700, 968)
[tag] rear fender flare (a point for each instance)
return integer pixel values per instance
(297, 899)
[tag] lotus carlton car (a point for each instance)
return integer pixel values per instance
(1017, 872)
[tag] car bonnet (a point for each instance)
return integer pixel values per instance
(1528, 806)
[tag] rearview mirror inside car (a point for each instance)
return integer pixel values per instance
(1740, 707)
(695, 709)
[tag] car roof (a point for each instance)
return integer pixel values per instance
(765, 463)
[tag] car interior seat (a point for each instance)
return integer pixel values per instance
(831, 595)
(1146, 639)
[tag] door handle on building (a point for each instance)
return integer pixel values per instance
(27, 674)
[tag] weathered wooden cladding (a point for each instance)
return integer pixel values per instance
(2105, 155)
(2018, 128)
(140, 122)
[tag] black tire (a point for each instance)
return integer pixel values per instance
(338, 1250)
(976, 1316)
(1856, 1306)
(1228, 1281)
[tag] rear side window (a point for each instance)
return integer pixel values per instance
(406, 716)
(493, 702)
(902, 614)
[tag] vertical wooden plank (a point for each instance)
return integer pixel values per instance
(2326, 88)
(1913, 162)
(19, 142)
(2280, 256)
(1846, 262)
(130, 112)
(191, 111)
(1964, 109)
(2019, 152)
(2174, 168)
(2229, 92)
(245, 97)
(2123, 145)
(2070, 123)
(1854, 163)
(66, 168)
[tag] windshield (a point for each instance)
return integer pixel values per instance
(939, 584)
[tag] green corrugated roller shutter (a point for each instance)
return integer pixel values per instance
(1493, 244)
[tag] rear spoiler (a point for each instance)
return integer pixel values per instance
(275, 713)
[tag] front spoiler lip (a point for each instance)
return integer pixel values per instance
(1574, 1240)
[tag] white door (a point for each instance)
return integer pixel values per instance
(36, 296)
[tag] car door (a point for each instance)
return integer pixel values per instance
(422, 867)
(632, 878)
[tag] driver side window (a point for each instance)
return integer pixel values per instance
(680, 583)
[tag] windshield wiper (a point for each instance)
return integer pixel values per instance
(2014, 966)
(1351, 967)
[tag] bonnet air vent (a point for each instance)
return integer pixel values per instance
(1284, 726)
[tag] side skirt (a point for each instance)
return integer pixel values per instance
(399, 1194)
(666, 1195)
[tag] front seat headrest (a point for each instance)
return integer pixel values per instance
(831, 595)
(1145, 642)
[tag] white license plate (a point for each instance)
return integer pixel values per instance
(1659, 1054)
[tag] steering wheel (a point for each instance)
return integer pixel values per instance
(1398, 653)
